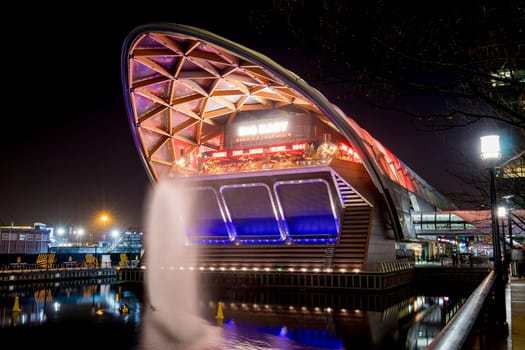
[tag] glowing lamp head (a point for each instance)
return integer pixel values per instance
(490, 147)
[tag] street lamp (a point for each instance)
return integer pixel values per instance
(61, 231)
(115, 234)
(104, 218)
(80, 233)
(490, 151)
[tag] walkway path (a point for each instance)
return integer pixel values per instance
(516, 339)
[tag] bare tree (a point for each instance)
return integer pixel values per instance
(468, 56)
(445, 64)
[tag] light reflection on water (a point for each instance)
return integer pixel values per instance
(91, 314)
(241, 337)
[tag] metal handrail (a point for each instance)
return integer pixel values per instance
(454, 334)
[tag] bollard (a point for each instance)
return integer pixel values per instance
(16, 306)
(220, 315)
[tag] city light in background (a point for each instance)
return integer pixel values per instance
(102, 229)
(104, 219)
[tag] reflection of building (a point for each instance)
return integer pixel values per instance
(283, 178)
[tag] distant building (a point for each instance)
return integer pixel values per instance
(25, 239)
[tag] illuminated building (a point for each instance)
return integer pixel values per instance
(26, 242)
(284, 179)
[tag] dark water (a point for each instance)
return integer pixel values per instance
(90, 315)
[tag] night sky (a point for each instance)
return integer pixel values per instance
(66, 146)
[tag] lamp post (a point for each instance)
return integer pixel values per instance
(509, 217)
(502, 213)
(80, 233)
(507, 211)
(61, 232)
(104, 218)
(490, 151)
(509, 225)
(96, 255)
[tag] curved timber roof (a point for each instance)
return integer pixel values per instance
(184, 86)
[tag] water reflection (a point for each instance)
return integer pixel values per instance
(91, 314)
(69, 315)
(403, 319)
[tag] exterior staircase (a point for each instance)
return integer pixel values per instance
(351, 249)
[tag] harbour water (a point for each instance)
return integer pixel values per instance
(91, 314)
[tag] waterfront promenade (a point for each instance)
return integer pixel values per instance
(515, 296)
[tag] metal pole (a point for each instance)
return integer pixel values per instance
(503, 237)
(495, 226)
(499, 302)
(506, 254)
(509, 224)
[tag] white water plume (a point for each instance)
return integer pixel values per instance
(171, 319)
